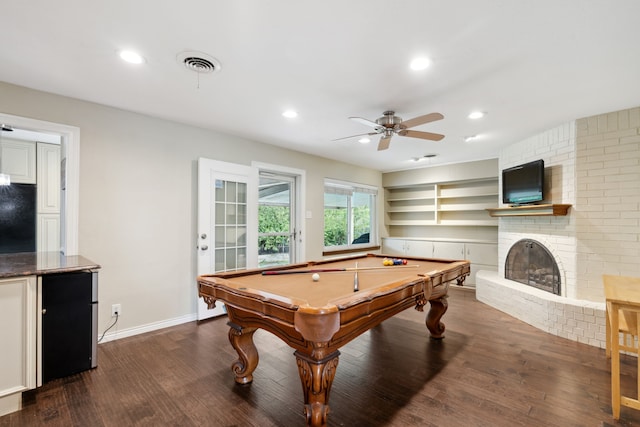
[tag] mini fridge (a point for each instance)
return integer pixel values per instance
(69, 324)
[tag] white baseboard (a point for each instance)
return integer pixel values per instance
(116, 334)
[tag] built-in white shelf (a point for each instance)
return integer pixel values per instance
(461, 203)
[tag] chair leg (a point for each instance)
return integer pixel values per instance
(608, 332)
(636, 345)
(615, 363)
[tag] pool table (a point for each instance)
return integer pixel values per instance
(316, 317)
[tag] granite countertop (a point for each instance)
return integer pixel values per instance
(39, 263)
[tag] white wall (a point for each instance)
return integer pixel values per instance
(138, 199)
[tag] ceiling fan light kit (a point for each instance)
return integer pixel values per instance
(390, 124)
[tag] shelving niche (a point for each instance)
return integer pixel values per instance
(462, 203)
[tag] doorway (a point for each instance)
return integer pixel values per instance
(281, 219)
(69, 137)
(276, 219)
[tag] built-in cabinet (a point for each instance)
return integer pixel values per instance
(481, 255)
(18, 160)
(448, 204)
(48, 179)
(18, 337)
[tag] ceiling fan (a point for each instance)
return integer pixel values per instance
(389, 124)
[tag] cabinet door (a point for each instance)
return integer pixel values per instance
(482, 253)
(17, 335)
(448, 250)
(48, 233)
(18, 159)
(48, 177)
(419, 248)
(393, 246)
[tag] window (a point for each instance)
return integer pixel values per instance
(349, 215)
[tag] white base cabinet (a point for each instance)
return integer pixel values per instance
(18, 303)
(481, 255)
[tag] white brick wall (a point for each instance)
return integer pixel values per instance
(593, 164)
(608, 202)
(577, 320)
(557, 148)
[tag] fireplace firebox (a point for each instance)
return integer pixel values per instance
(530, 262)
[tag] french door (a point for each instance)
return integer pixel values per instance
(227, 221)
(276, 219)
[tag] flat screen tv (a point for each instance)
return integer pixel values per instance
(523, 184)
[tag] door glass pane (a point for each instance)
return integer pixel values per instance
(231, 239)
(242, 236)
(275, 220)
(220, 209)
(231, 192)
(219, 190)
(219, 241)
(242, 192)
(242, 257)
(230, 262)
(219, 261)
(231, 214)
(242, 214)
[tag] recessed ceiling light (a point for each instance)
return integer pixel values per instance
(477, 115)
(364, 140)
(290, 114)
(131, 57)
(421, 63)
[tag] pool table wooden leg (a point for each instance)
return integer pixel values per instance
(317, 377)
(241, 339)
(438, 308)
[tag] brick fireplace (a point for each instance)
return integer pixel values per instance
(594, 165)
(529, 262)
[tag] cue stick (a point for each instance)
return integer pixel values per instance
(331, 270)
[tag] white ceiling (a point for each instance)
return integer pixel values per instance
(530, 65)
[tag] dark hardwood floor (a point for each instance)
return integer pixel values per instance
(490, 370)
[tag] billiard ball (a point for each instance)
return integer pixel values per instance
(315, 277)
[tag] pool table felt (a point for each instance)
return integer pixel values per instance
(334, 289)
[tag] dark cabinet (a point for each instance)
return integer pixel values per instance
(69, 323)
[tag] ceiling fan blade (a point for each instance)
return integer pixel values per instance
(420, 120)
(384, 142)
(422, 135)
(353, 136)
(367, 122)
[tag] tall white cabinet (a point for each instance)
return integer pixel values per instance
(48, 179)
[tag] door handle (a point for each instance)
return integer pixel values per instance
(204, 247)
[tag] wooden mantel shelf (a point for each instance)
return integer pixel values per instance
(531, 210)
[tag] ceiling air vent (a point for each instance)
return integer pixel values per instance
(199, 62)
